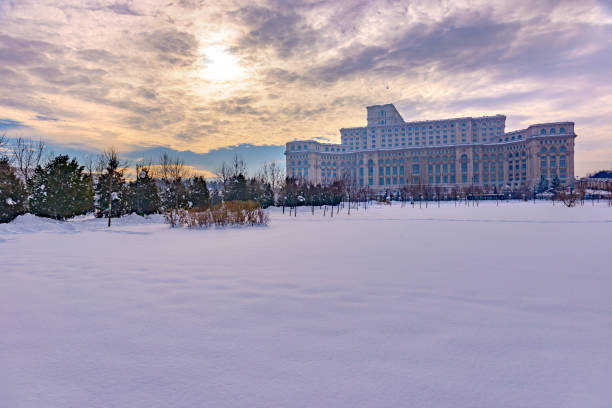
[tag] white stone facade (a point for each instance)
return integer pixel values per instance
(389, 153)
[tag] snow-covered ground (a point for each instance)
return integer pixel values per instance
(507, 306)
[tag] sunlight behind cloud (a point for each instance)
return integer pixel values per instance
(220, 65)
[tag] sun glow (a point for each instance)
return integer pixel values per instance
(220, 65)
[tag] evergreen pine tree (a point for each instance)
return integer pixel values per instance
(237, 189)
(542, 185)
(12, 193)
(255, 190)
(198, 193)
(260, 192)
(267, 198)
(111, 187)
(143, 194)
(555, 183)
(174, 194)
(216, 196)
(60, 189)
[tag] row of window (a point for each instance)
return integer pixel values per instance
(553, 131)
(553, 150)
(417, 141)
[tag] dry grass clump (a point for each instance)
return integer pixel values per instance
(569, 198)
(221, 215)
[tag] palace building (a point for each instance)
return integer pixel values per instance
(389, 153)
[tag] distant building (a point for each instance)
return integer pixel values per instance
(390, 153)
(601, 180)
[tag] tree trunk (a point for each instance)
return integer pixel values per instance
(110, 197)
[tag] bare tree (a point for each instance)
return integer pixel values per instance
(3, 143)
(172, 172)
(238, 167)
(272, 174)
(438, 192)
(90, 165)
(568, 197)
(230, 171)
(143, 166)
(581, 191)
(223, 174)
(455, 194)
(171, 168)
(27, 155)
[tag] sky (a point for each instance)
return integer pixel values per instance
(206, 79)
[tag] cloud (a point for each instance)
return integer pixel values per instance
(124, 9)
(46, 118)
(69, 75)
(280, 28)
(97, 56)
(15, 51)
(171, 46)
(131, 74)
(6, 124)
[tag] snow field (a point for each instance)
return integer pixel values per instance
(482, 306)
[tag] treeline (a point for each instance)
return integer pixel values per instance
(59, 187)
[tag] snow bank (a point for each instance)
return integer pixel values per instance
(29, 223)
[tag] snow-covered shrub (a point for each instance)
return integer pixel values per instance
(12, 193)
